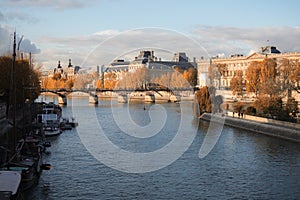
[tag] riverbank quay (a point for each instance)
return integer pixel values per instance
(9, 136)
(6, 134)
(265, 127)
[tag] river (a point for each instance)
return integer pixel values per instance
(242, 164)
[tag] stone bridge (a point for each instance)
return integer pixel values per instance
(159, 91)
(62, 95)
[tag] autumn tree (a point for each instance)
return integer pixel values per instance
(169, 79)
(295, 77)
(204, 100)
(191, 76)
(45, 83)
(292, 106)
(99, 84)
(26, 79)
(5, 73)
(110, 80)
(165, 79)
(289, 75)
(129, 81)
(178, 80)
(50, 83)
(269, 106)
(237, 83)
(69, 83)
(268, 84)
(56, 77)
(253, 77)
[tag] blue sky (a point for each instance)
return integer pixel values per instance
(55, 30)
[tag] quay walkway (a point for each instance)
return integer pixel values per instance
(287, 132)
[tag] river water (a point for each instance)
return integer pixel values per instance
(242, 164)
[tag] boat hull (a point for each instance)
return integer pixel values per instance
(54, 133)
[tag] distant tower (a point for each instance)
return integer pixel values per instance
(59, 66)
(70, 64)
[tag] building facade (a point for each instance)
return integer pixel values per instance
(66, 72)
(147, 59)
(239, 62)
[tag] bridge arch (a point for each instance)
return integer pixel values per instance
(62, 95)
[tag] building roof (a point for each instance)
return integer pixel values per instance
(148, 59)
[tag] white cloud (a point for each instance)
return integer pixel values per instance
(6, 45)
(6, 40)
(108, 32)
(231, 40)
(28, 46)
(128, 44)
(104, 46)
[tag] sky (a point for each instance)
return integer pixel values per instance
(94, 32)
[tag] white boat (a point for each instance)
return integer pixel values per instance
(67, 124)
(9, 184)
(50, 120)
(52, 130)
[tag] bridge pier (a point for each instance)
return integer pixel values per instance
(93, 98)
(62, 100)
(123, 98)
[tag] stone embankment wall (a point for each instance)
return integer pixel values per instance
(284, 130)
(266, 120)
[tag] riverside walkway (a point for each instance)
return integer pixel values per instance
(286, 132)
